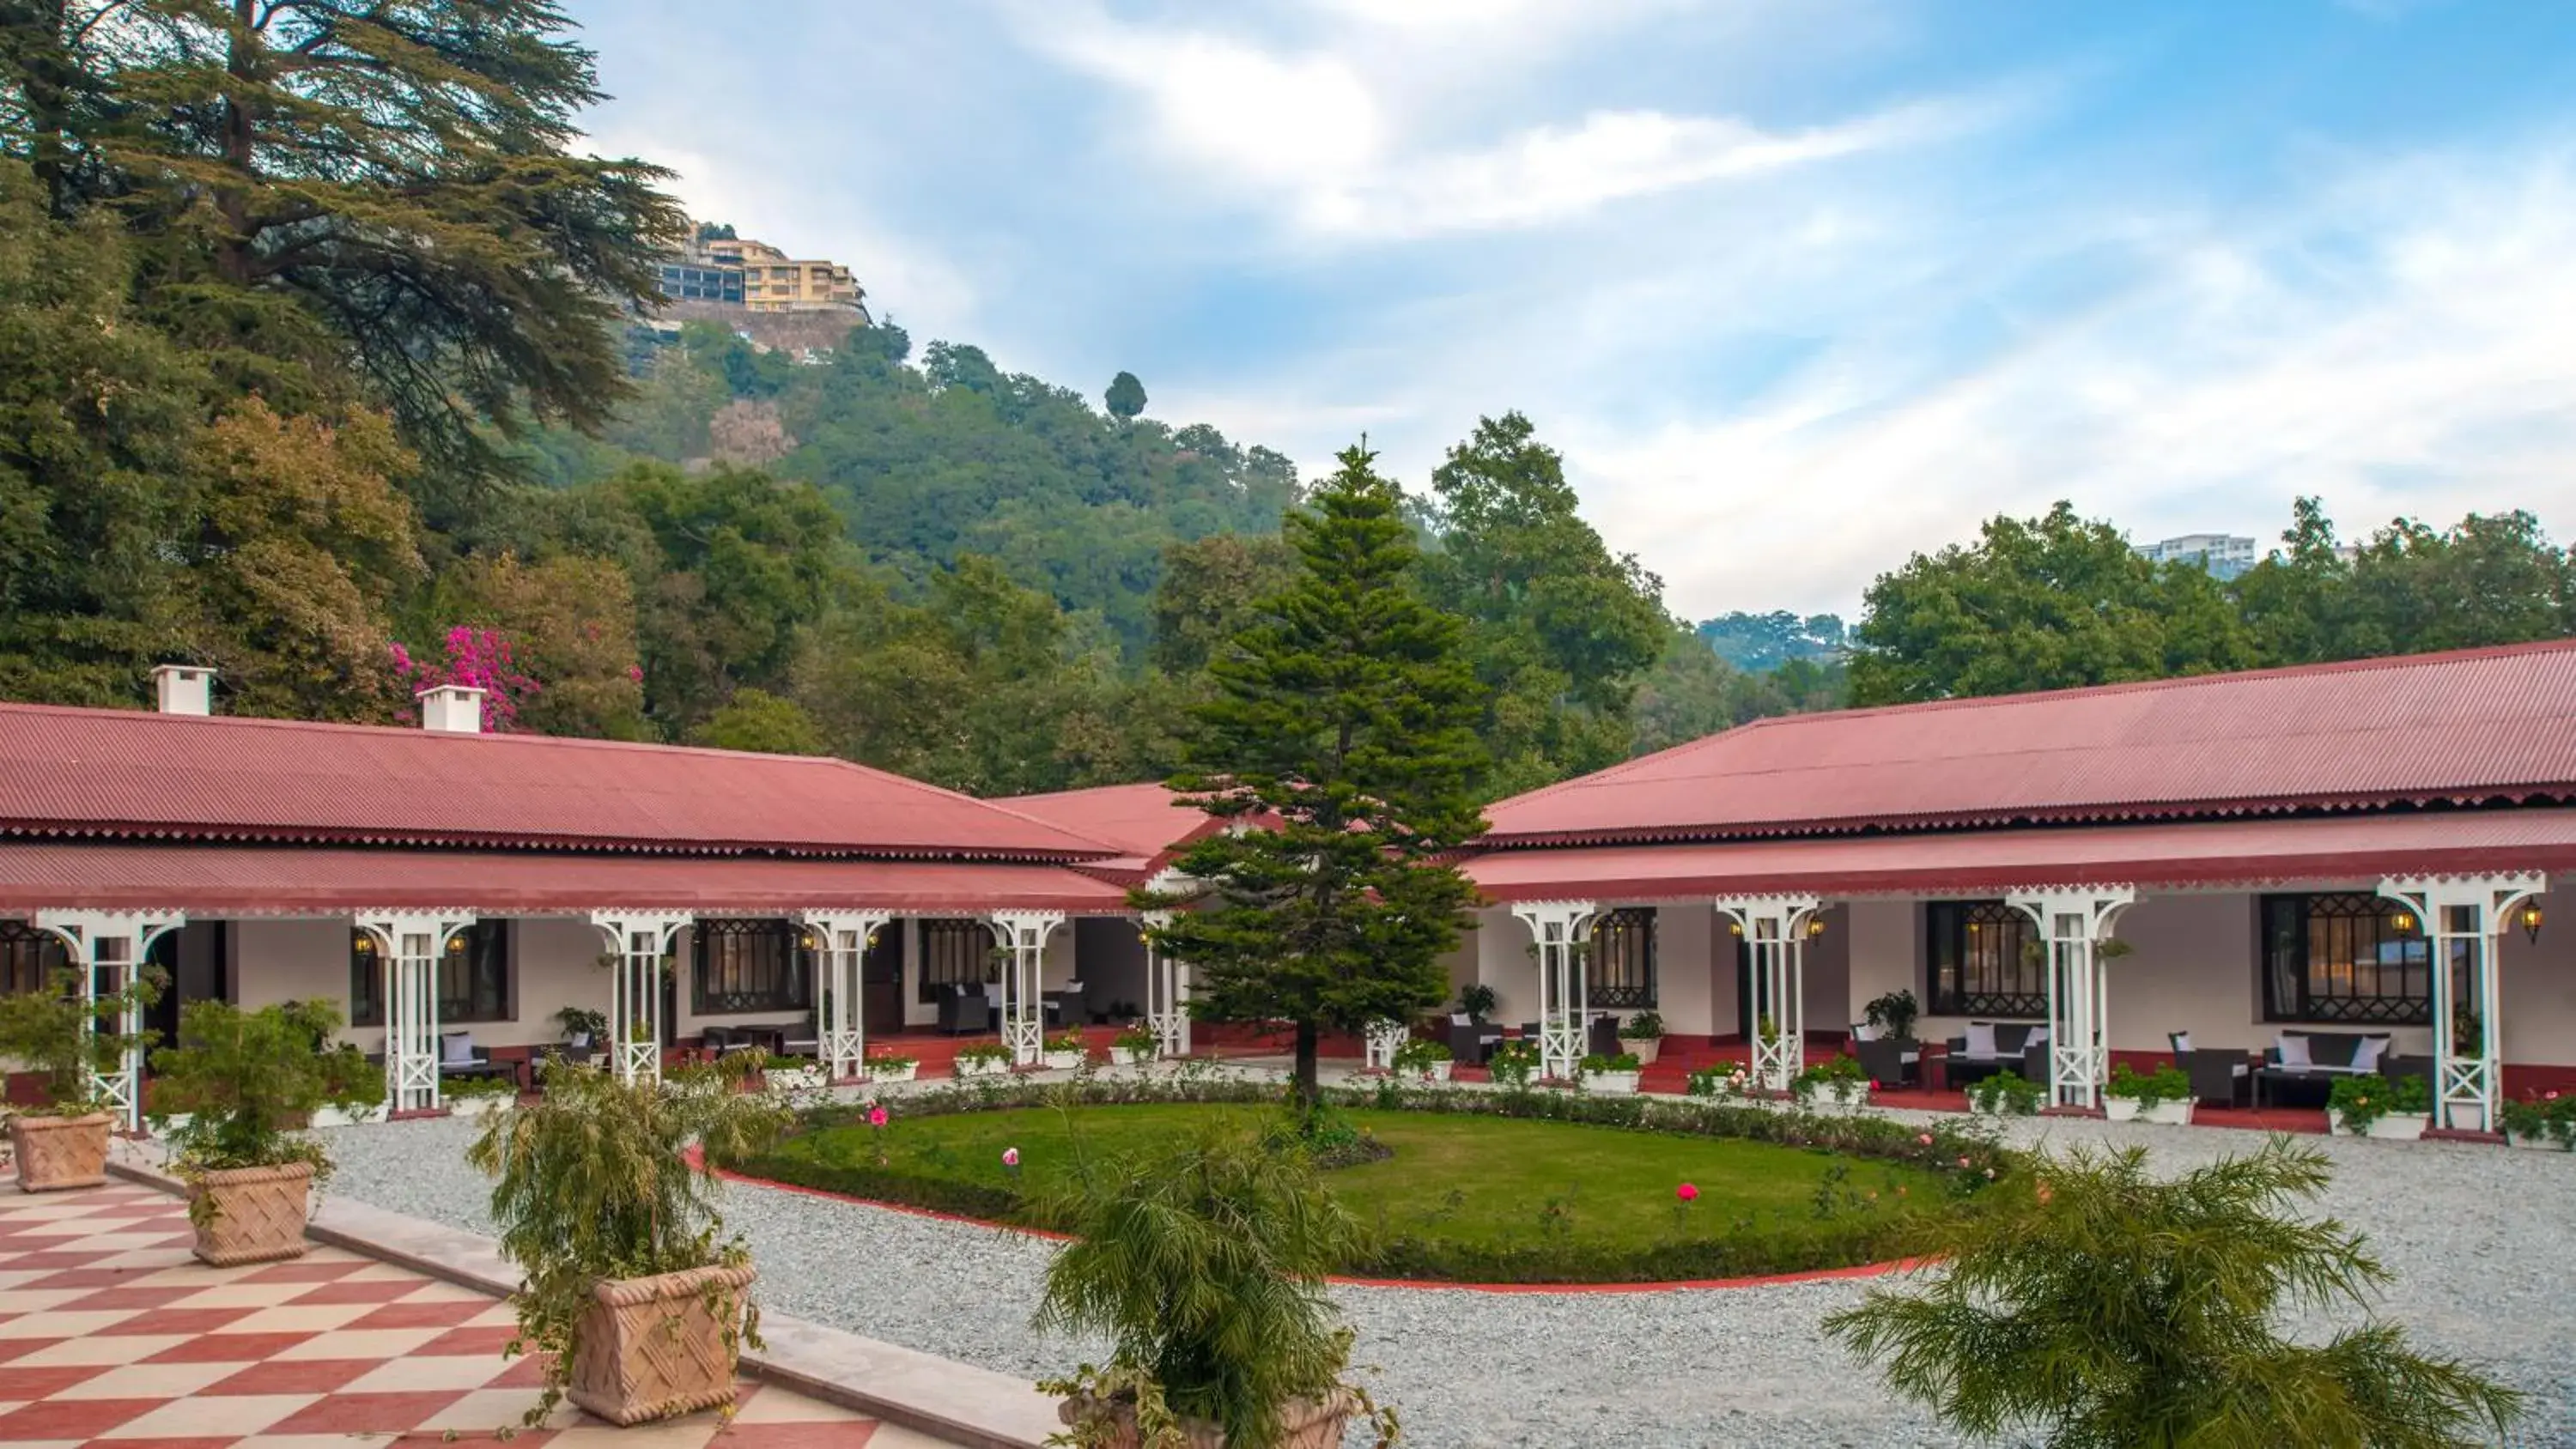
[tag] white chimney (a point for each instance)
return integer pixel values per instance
(452, 709)
(183, 689)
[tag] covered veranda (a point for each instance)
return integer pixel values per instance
(2459, 881)
(610, 923)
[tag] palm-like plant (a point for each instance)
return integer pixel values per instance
(1204, 1264)
(2111, 1310)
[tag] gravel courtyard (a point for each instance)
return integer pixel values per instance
(2483, 1242)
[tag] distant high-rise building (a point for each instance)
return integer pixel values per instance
(2225, 555)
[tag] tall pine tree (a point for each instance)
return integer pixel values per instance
(1343, 734)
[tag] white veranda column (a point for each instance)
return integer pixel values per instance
(840, 941)
(1022, 936)
(409, 944)
(1167, 992)
(1774, 931)
(639, 941)
(2073, 923)
(107, 950)
(1562, 934)
(2462, 917)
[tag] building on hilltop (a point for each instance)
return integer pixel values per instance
(741, 272)
(2225, 555)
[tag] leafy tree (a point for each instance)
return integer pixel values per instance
(2046, 603)
(1767, 641)
(354, 185)
(1558, 627)
(756, 720)
(1125, 398)
(572, 620)
(1344, 722)
(1208, 590)
(2112, 1309)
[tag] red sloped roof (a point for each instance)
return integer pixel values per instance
(295, 880)
(2467, 726)
(133, 773)
(2170, 853)
(1147, 822)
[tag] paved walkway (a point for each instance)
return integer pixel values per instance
(111, 1334)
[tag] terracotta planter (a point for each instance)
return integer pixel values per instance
(1306, 1424)
(654, 1347)
(257, 1213)
(59, 1152)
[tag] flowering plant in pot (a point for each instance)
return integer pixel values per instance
(1643, 1035)
(892, 1066)
(1726, 1081)
(1614, 1075)
(1514, 1062)
(1421, 1057)
(1837, 1081)
(61, 1142)
(245, 1081)
(1065, 1052)
(983, 1059)
(2005, 1094)
(2161, 1096)
(629, 1280)
(1137, 1046)
(2546, 1121)
(1203, 1265)
(2373, 1106)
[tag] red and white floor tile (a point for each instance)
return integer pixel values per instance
(111, 1334)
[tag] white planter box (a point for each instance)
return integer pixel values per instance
(2120, 1109)
(1613, 1084)
(329, 1116)
(1139, 1060)
(1645, 1048)
(1999, 1109)
(983, 1067)
(905, 1073)
(2169, 1114)
(1065, 1061)
(2393, 1127)
(2541, 1143)
(2468, 1117)
(480, 1105)
(1435, 1072)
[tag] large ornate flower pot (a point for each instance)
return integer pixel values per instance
(1644, 1048)
(250, 1214)
(654, 1347)
(59, 1152)
(1305, 1424)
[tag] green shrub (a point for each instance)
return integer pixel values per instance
(247, 1081)
(1476, 999)
(1838, 1076)
(2164, 1084)
(1595, 1064)
(1514, 1062)
(2008, 1094)
(1896, 1012)
(58, 1035)
(2362, 1100)
(479, 1087)
(1644, 1026)
(1419, 1054)
(2547, 1117)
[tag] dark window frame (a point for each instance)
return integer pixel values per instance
(954, 949)
(2390, 988)
(769, 970)
(467, 996)
(1620, 976)
(2011, 981)
(29, 958)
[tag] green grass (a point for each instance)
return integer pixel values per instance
(1465, 1196)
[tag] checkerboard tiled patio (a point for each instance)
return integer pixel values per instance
(111, 1334)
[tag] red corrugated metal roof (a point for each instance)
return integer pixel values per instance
(292, 880)
(1147, 822)
(2467, 726)
(2327, 848)
(129, 773)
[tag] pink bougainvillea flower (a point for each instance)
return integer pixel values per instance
(1010, 1157)
(1686, 1192)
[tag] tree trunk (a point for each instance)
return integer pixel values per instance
(45, 72)
(1304, 1083)
(232, 203)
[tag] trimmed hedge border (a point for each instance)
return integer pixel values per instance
(1778, 1248)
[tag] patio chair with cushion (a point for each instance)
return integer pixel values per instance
(2304, 1064)
(1602, 1040)
(964, 1009)
(1890, 1062)
(802, 1039)
(458, 1056)
(2219, 1077)
(1471, 1042)
(1067, 1007)
(1988, 1047)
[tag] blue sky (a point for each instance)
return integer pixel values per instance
(1799, 286)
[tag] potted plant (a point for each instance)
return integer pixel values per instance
(1477, 1000)
(1615, 1076)
(2546, 1122)
(630, 1285)
(1726, 1081)
(477, 1096)
(61, 1142)
(1643, 1035)
(244, 1081)
(892, 1066)
(1203, 1267)
(1064, 1052)
(1838, 1083)
(2005, 1094)
(1514, 1062)
(1137, 1046)
(1423, 1058)
(983, 1059)
(1894, 1014)
(2398, 1108)
(2162, 1096)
